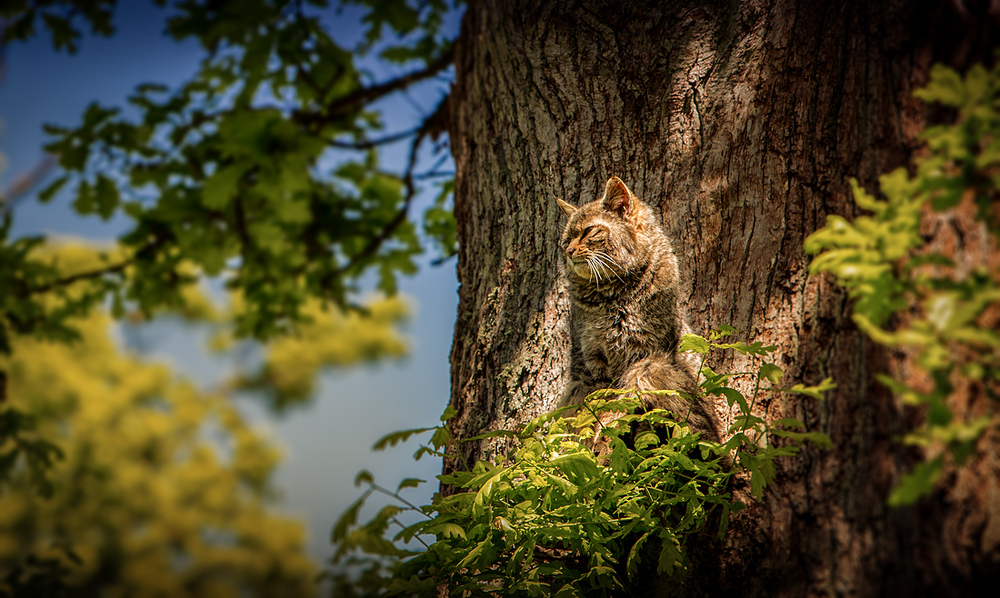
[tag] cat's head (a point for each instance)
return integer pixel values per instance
(606, 239)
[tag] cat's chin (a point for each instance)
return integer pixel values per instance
(582, 270)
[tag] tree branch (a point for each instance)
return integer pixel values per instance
(370, 143)
(145, 250)
(390, 228)
(68, 280)
(368, 94)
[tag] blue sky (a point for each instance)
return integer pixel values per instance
(329, 441)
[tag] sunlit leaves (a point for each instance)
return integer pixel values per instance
(886, 265)
(553, 519)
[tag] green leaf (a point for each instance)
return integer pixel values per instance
(446, 530)
(347, 519)
(790, 422)
(409, 483)
(920, 482)
(364, 477)
(632, 563)
(84, 202)
(734, 396)
(722, 332)
(693, 343)
(449, 413)
(670, 556)
(49, 192)
(221, 188)
(394, 438)
(579, 468)
(770, 372)
(106, 196)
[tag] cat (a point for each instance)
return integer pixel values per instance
(625, 322)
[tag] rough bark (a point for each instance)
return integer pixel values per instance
(743, 122)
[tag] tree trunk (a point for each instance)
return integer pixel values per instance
(743, 122)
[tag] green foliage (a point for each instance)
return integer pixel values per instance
(553, 519)
(262, 172)
(240, 172)
(259, 171)
(57, 16)
(898, 281)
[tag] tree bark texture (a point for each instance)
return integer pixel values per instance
(743, 122)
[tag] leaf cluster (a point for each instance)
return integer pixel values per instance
(910, 295)
(261, 169)
(58, 17)
(260, 172)
(553, 518)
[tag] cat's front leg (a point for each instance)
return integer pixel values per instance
(576, 391)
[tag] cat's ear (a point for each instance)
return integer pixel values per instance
(617, 198)
(569, 209)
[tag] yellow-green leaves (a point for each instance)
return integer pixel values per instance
(329, 338)
(143, 498)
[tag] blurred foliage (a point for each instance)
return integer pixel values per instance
(286, 374)
(261, 175)
(553, 519)
(241, 171)
(261, 170)
(910, 294)
(163, 489)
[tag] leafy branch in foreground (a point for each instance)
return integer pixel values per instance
(910, 295)
(553, 519)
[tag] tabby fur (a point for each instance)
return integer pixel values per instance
(625, 320)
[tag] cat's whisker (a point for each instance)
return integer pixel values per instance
(594, 271)
(607, 263)
(598, 265)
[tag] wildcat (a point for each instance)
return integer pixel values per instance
(624, 320)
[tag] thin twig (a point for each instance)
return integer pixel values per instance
(370, 143)
(415, 536)
(434, 174)
(396, 495)
(400, 217)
